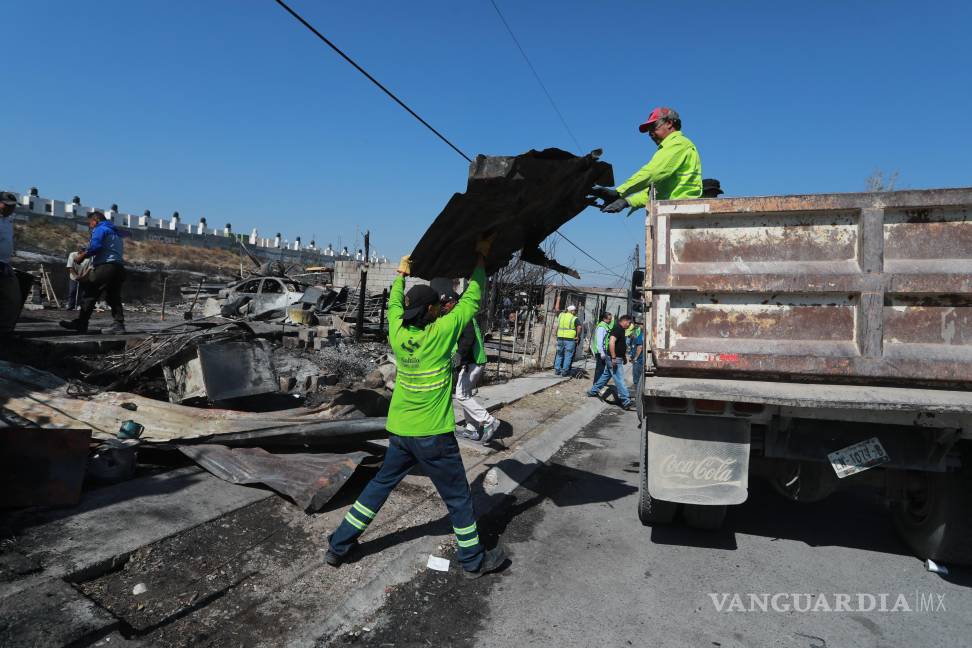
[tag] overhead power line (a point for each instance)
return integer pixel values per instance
(584, 252)
(526, 58)
(429, 126)
(360, 69)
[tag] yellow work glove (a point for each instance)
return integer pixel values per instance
(405, 265)
(484, 243)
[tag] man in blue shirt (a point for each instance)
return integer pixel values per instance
(106, 251)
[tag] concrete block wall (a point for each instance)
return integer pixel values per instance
(380, 275)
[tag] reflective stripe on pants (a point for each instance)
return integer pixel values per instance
(438, 455)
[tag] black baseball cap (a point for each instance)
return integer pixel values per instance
(417, 299)
(8, 198)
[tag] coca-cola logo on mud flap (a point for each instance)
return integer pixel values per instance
(708, 469)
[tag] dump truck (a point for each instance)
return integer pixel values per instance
(820, 342)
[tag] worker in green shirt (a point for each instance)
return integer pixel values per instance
(675, 169)
(421, 420)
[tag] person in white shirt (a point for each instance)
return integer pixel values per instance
(76, 274)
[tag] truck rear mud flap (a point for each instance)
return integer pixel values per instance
(697, 459)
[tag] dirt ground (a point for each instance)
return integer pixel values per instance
(256, 577)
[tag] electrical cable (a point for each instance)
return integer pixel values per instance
(442, 137)
(584, 252)
(536, 75)
(360, 69)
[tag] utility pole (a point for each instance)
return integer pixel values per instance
(364, 286)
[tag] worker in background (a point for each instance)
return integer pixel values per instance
(599, 343)
(77, 271)
(636, 348)
(11, 301)
(675, 169)
(421, 421)
(568, 332)
(614, 367)
(470, 357)
(711, 188)
(106, 251)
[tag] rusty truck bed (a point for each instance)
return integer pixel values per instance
(868, 287)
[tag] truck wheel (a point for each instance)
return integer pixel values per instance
(934, 519)
(703, 516)
(650, 510)
(654, 511)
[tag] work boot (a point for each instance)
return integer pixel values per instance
(115, 329)
(492, 561)
(334, 560)
(74, 325)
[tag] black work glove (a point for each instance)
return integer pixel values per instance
(615, 207)
(607, 194)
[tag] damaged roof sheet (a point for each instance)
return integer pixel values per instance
(522, 199)
(310, 480)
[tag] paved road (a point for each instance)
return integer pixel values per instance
(585, 572)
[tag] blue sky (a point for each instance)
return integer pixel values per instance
(230, 109)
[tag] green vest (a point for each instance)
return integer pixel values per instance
(567, 326)
(607, 337)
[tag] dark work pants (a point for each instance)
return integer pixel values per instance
(74, 293)
(438, 455)
(106, 278)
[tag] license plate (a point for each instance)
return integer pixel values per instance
(858, 457)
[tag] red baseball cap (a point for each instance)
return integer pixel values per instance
(656, 114)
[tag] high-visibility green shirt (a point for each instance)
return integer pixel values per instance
(675, 169)
(421, 403)
(567, 326)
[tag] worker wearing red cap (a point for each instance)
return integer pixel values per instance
(675, 169)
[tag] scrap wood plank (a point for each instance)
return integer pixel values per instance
(42, 398)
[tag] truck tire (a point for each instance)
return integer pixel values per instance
(650, 510)
(935, 519)
(704, 516)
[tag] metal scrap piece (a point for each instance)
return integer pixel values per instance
(522, 199)
(310, 480)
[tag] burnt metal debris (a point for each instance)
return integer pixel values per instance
(310, 480)
(522, 199)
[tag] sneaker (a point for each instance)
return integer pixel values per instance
(591, 394)
(468, 434)
(114, 329)
(492, 561)
(488, 431)
(74, 325)
(628, 405)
